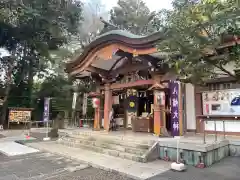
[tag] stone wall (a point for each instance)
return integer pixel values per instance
(234, 148)
(195, 154)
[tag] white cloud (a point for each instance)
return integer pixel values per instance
(152, 4)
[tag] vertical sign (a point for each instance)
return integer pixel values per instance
(46, 109)
(75, 94)
(174, 94)
(84, 107)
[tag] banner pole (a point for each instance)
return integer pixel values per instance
(46, 117)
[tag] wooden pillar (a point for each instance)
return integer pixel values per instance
(97, 115)
(97, 119)
(159, 114)
(198, 109)
(107, 106)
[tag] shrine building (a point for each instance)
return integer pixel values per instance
(131, 77)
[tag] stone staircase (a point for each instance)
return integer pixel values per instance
(126, 148)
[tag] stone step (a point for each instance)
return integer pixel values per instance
(108, 140)
(111, 152)
(107, 145)
(107, 136)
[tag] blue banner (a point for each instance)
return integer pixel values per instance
(174, 95)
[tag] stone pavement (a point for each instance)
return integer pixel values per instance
(13, 149)
(227, 169)
(46, 166)
(133, 169)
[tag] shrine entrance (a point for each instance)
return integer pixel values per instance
(133, 105)
(132, 78)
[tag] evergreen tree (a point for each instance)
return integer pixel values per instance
(196, 30)
(29, 29)
(134, 16)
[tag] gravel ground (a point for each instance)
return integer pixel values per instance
(45, 166)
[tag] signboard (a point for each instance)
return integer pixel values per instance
(115, 99)
(16, 115)
(46, 109)
(84, 106)
(132, 103)
(160, 98)
(1, 102)
(75, 94)
(222, 102)
(174, 95)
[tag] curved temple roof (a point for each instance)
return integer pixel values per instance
(122, 38)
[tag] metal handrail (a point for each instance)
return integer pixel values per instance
(38, 122)
(215, 127)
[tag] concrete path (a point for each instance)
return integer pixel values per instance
(9, 147)
(14, 149)
(133, 169)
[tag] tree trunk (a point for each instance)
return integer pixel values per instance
(30, 81)
(7, 91)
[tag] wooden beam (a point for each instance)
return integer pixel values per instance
(148, 58)
(158, 86)
(132, 84)
(117, 61)
(97, 70)
(144, 58)
(99, 51)
(128, 69)
(126, 63)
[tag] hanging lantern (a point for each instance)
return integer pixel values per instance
(95, 102)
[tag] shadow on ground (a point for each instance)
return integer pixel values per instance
(227, 169)
(2, 136)
(46, 166)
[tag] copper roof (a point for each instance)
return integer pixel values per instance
(117, 36)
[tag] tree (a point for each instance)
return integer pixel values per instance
(93, 10)
(196, 29)
(29, 29)
(87, 31)
(134, 16)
